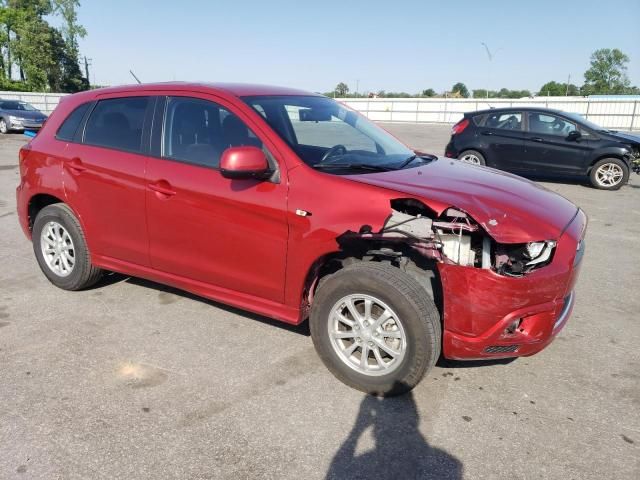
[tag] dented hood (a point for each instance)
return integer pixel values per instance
(510, 208)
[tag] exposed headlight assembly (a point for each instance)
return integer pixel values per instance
(516, 260)
(539, 252)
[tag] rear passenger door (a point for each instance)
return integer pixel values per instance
(104, 176)
(231, 234)
(502, 140)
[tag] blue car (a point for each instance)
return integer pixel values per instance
(16, 115)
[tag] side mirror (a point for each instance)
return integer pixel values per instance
(244, 162)
(574, 135)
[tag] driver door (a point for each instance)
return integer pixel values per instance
(228, 233)
(548, 148)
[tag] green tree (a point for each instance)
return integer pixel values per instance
(429, 92)
(46, 58)
(607, 74)
(556, 89)
(461, 89)
(342, 89)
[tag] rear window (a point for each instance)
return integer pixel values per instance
(70, 126)
(117, 123)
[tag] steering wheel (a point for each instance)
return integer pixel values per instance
(334, 150)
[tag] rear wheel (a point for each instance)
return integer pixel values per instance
(61, 249)
(473, 157)
(609, 174)
(375, 328)
(3, 126)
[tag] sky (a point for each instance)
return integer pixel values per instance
(370, 45)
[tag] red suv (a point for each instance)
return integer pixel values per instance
(293, 206)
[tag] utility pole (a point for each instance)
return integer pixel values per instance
(87, 62)
(357, 86)
(566, 93)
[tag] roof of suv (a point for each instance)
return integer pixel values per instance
(234, 89)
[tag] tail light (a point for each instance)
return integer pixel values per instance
(460, 126)
(22, 156)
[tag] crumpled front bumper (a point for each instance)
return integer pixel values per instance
(487, 315)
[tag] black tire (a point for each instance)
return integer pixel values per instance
(475, 153)
(413, 306)
(83, 274)
(4, 127)
(597, 183)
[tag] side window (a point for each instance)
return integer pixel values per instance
(198, 131)
(545, 124)
(70, 125)
(478, 119)
(504, 120)
(117, 123)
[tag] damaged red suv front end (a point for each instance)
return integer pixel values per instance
(498, 299)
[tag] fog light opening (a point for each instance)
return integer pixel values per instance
(513, 327)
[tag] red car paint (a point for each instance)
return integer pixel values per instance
(241, 242)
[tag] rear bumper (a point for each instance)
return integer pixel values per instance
(487, 315)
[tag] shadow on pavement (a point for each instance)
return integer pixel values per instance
(400, 452)
(111, 278)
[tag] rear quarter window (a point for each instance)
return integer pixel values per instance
(70, 125)
(478, 120)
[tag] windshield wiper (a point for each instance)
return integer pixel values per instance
(407, 161)
(352, 166)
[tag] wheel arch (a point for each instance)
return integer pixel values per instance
(410, 262)
(37, 202)
(604, 155)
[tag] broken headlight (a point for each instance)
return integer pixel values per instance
(534, 249)
(539, 252)
(517, 259)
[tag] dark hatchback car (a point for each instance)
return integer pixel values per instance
(16, 115)
(538, 141)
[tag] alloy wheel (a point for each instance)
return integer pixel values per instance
(470, 158)
(57, 249)
(367, 335)
(609, 174)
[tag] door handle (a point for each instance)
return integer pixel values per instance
(76, 166)
(487, 133)
(162, 188)
(536, 139)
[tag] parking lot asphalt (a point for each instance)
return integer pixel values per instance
(133, 380)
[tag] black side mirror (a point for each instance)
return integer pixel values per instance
(574, 135)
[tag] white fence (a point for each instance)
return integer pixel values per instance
(618, 114)
(45, 102)
(621, 114)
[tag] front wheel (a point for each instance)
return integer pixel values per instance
(609, 174)
(375, 328)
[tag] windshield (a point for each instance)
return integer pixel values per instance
(326, 134)
(15, 105)
(579, 118)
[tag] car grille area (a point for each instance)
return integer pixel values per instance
(501, 349)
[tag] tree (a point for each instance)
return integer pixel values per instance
(461, 89)
(46, 58)
(342, 89)
(607, 74)
(429, 92)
